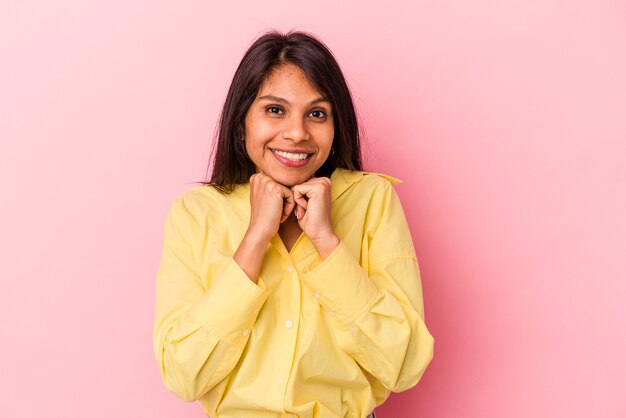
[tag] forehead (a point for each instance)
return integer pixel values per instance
(287, 77)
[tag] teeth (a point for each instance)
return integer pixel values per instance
(291, 156)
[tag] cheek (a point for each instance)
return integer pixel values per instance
(328, 136)
(254, 148)
(256, 126)
(261, 127)
(257, 136)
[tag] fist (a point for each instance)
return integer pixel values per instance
(313, 201)
(270, 204)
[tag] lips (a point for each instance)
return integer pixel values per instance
(291, 158)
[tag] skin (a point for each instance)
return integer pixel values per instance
(287, 200)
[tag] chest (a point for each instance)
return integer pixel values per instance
(289, 233)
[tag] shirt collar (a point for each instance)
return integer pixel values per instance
(342, 179)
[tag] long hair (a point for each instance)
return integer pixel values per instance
(231, 163)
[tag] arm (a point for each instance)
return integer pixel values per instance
(199, 334)
(270, 205)
(379, 313)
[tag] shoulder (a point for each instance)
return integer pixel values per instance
(202, 202)
(379, 179)
(362, 182)
(197, 197)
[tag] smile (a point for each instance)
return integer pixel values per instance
(292, 156)
(291, 159)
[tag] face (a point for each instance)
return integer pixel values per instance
(289, 127)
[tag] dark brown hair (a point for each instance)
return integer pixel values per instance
(231, 164)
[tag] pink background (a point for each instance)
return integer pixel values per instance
(507, 121)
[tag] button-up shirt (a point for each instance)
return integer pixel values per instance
(314, 337)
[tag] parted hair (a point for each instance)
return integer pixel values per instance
(230, 163)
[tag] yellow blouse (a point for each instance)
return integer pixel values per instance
(315, 338)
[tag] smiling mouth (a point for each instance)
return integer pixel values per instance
(300, 156)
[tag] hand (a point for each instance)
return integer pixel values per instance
(271, 204)
(313, 202)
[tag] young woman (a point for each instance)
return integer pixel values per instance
(288, 284)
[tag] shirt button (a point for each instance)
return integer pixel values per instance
(288, 324)
(291, 268)
(279, 381)
(256, 310)
(332, 313)
(317, 295)
(245, 333)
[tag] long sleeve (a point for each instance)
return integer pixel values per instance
(200, 331)
(377, 309)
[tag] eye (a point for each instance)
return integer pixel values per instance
(274, 110)
(318, 114)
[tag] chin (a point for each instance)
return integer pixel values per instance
(291, 180)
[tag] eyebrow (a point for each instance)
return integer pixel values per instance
(280, 99)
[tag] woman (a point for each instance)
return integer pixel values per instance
(288, 284)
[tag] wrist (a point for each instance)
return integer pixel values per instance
(249, 255)
(256, 238)
(326, 244)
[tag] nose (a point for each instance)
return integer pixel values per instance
(296, 130)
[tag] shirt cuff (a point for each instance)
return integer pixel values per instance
(231, 305)
(340, 283)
